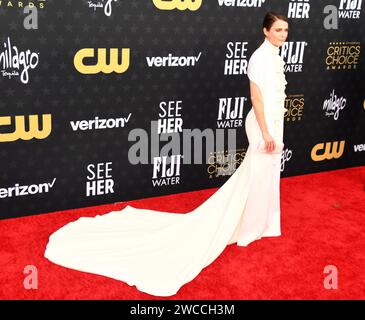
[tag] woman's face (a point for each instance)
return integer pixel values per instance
(278, 33)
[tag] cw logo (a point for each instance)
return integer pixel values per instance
(101, 65)
(21, 133)
(331, 150)
(178, 4)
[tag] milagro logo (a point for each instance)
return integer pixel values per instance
(9, 4)
(105, 5)
(286, 155)
(16, 63)
(241, 3)
(333, 105)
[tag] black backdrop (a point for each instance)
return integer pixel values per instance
(48, 162)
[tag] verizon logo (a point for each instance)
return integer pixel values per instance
(359, 147)
(99, 124)
(26, 190)
(172, 61)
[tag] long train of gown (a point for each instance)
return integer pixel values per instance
(158, 252)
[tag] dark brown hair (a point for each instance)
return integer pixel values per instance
(270, 18)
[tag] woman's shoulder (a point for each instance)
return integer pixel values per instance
(256, 66)
(259, 52)
(257, 57)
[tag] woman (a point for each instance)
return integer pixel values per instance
(158, 252)
(264, 128)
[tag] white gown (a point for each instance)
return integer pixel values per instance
(158, 252)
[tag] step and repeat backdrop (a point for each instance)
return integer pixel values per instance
(114, 100)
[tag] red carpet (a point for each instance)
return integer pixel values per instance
(323, 223)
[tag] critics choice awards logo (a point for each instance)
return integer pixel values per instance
(343, 55)
(295, 107)
(224, 163)
(12, 4)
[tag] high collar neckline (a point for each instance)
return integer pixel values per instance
(270, 46)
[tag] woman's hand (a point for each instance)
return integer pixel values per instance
(269, 142)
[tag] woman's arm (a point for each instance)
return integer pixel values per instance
(258, 106)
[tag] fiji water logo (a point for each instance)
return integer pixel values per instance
(17, 63)
(349, 9)
(292, 53)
